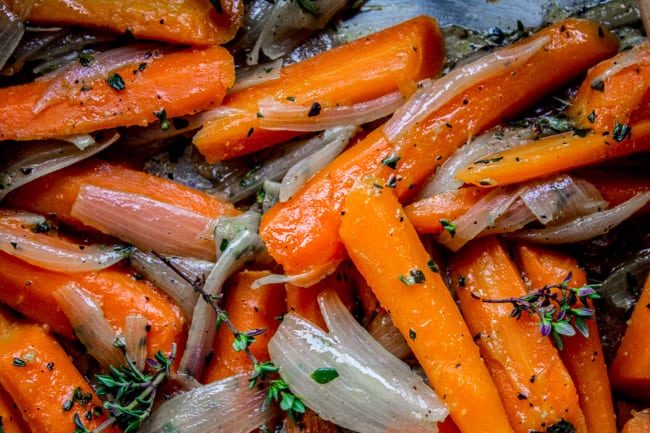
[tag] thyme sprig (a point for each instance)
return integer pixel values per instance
(278, 390)
(562, 310)
(132, 392)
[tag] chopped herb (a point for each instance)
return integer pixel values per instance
(581, 132)
(449, 226)
(162, 116)
(85, 59)
(250, 132)
(42, 227)
(621, 131)
(324, 375)
(79, 425)
(561, 426)
(392, 182)
(487, 161)
(14, 245)
(598, 85)
(314, 110)
(391, 161)
(415, 276)
(412, 334)
(432, 266)
(19, 362)
(592, 117)
(291, 98)
(461, 281)
(308, 6)
(116, 81)
(26, 170)
(142, 66)
(223, 245)
(260, 115)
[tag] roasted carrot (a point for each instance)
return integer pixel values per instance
(534, 385)
(29, 290)
(614, 91)
(10, 419)
(639, 423)
(179, 83)
(392, 59)
(248, 309)
(425, 214)
(618, 186)
(310, 423)
(44, 384)
(56, 194)
(190, 22)
(556, 153)
(301, 233)
(630, 370)
(386, 249)
(583, 357)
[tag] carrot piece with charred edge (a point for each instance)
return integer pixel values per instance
(583, 357)
(248, 309)
(301, 233)
(181, 83)
(392, 59)
(386, 250)
(555, 154)
(43, 382)
(425, 214)
(55, 194)
(534, 384)
(630, 370)
(619, 97)
(639, 423)
(29, 290)
(187, 22)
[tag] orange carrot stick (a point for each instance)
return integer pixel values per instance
(618, 186)
(248, 309)
(534, 385)
(301, 233)
(190, 22)
(387, 251)
(10, 418)
(44, 384)
(181, 83)
(29, 290)
(630, 370)
(555, 154)
(392, 59)
(614, 91)
(583, 357)
(639, 423)
(425, 214)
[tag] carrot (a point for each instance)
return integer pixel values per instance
(392, 59)
(10, 419)
(618, 186)
(387, 251)
(630, 370)
(179, 83)
(301, 233)
(583, 357)
(556, 153)
(43, 382)
(190, 22)
(29, 290)
(310, 423)
(639, 423)
(248, 309)
(614, 91)
(425, 214)
(534, 385)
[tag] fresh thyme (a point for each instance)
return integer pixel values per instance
(132, 392)
(561, 309)
(278, 390)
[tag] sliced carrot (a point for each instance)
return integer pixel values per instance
(248, 309)
(425, 214)
(615, 90)
(618, 186)
(386, 249)
(583, 357)
(55, 194)
(10, 418)
(29, 290)
(639, 423)
(310, 423)
(181, 83)
(555, 154)
(630, 370)
(392, 59)
(43, 382)
(189, 22)
(534, 385)
(301, 233)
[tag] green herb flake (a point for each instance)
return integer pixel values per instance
(432, 266)
(598, 85)
(142, 66)
(314, 110)
(260, 115)
(162, 116)
(581, 132)
(116, 82)
(291, 98)
(19, 362)
(223, 244)
(592, 117)
(391, 161)
(412, 334)
(67, 405)
(448, 226)
(324, 375)
(418, 276)
(487, 161)
(85, 59)
(562, 426)
(405, 280)
(621, 132)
